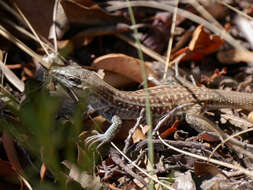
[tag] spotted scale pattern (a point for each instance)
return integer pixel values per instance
(162, 99)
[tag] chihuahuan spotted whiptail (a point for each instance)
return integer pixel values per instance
(115, 105)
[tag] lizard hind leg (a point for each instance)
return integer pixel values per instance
(107, 136)
(201, 123)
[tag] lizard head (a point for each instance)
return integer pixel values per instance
(69, 76)
(75, 77)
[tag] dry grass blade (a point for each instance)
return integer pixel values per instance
(31, 28)
(10, 10)
(22, 46)
(148, 51)
(12, 77)
(231, 137)
(170, 41)
(26, 33)
(234, 9)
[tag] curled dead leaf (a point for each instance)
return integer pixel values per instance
(203, 43)
(250, 117)
(124, 65)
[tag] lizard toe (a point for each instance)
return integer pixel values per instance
(96, 138)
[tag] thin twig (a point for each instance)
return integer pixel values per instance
(235, 167)
(144, 172)
(131, 132)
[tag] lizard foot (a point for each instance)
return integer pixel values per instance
(107, 136)
(102, 138)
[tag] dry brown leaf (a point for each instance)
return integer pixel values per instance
(203, 43)
(10, 150)
(203, 169)
(83, 13)
(122, 64)
(76, 13)
(158, 34)
(116, 80)
(138, 136)
(250, 117)
(145, 129)
(170, 130)
(207, 137)
(86, 13)
(39, 16)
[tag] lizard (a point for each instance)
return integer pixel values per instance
(116, 105)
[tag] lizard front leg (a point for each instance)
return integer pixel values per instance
(108, 135)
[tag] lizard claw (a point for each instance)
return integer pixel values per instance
(107, 136)
(96, 138)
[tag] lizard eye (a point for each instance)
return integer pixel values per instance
(75, 80)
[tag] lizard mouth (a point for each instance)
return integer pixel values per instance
(66, 79)
(62, 80)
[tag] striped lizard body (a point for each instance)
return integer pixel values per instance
(115, 105)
